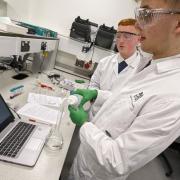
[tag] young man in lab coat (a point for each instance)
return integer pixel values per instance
(139, 121)
(108, 69)
(116, 69)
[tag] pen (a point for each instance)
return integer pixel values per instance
(33, 120)
(15, 88)
(14, 95)
(46, 86)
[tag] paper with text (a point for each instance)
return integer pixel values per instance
(40, 113)
(44, 99)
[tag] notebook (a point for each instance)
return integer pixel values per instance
(20, 142)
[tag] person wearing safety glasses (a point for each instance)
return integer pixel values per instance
(139, 121)
(117, 68)
(121, 64)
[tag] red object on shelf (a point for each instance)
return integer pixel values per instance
(88, 65)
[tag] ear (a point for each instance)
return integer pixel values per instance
(178, 27)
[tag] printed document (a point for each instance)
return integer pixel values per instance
(39, 113)
(44, 100)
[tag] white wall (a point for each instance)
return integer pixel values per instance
(58, 15)
(3, 8)
(18, 9)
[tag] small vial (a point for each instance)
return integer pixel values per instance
(74, 100)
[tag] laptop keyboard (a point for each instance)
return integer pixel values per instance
(13, 142)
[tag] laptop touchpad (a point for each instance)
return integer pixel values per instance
(33, 144)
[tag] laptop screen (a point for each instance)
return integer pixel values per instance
(6, 116)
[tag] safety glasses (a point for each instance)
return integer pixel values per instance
(125, 35)
(147, 17)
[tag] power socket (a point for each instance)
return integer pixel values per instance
(85, 49)
(25, 46)
(79, 63)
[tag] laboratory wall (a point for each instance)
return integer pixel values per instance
(58, 15)
(18, 9)
(3, 8)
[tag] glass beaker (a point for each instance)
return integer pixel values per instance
(55, 140)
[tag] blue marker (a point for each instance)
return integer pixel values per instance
(16, 88)
(16, 91)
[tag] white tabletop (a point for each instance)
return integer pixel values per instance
(50, 163)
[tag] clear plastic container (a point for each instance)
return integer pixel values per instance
(74, 100)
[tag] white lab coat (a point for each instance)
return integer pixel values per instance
(107, 78)
(106, 73)
(143, 119)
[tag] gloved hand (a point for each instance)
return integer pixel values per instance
(87, 94)
(78, 115)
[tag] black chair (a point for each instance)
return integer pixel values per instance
(176, 147)
(105, 36)
(169, 171)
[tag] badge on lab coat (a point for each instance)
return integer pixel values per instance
(137, 96)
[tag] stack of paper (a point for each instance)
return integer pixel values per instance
(44, 100)
(37, 112)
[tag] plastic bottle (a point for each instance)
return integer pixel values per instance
(75, 100)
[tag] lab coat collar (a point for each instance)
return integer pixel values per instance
(168, 63)
(117, 58)
(142, 63)
(132, 60)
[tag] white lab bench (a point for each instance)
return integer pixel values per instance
(50, 163)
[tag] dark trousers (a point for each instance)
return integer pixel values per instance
(74, 145)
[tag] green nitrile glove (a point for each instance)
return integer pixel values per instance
(79, 81)
(78, 115)
(87, 94)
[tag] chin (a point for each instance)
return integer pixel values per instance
(145, 48)
(122, 50)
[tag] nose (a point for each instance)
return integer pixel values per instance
(120, 40)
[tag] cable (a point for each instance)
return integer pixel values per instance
(55, 78)
(92, 51)
(15, 112)
(3, 67)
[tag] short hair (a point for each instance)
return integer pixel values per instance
(127, 22)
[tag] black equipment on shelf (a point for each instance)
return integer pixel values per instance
(105, 36)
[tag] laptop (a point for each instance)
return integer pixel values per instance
(20, 142)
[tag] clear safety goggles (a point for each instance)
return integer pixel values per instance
(147, 17)
(125, 35)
